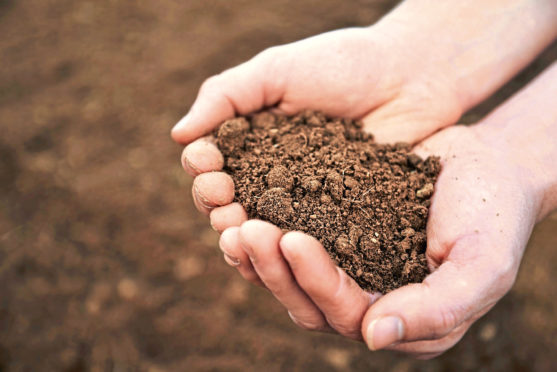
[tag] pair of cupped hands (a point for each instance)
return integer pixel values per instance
(487, 198)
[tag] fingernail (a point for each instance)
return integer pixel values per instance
(190, 167)
(249, 251)
(383, 332)
(232, 261)
(201, 199)
(182, 123)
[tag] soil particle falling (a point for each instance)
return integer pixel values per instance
(367, 203)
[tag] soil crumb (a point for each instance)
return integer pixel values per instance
(367, 203)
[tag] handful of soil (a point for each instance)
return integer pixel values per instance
(367, 203)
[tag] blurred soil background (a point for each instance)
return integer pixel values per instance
(104, 263)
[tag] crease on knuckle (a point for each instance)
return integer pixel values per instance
(345, 328)
(443, 320)
(273, 61)
(251, 276)
(308, 324)
(338, 299)
(277, 286)
(280, 285)
(444, 323)
(343, 319)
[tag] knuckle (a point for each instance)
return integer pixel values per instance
(436, 254)
(310, 326)
(307, 324)
(277, 286)
(269, 53)
(337, 300)
(271, 60)
(274, 284)
(345, 328)
(210, 84)
(251, 276)
(188, 165)
(444, 323)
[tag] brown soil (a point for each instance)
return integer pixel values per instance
(105, 265)
(366, 203)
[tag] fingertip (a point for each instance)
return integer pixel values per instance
(257, 232)
(201, 156)
(288, 244)
(214, 189)
(234, 255)
(229, 244)
(301, 250)
(228, 216)
(179, 130)
(228, 238)
(330, 288)
(292, 241)
(383, 332)
(255, 228)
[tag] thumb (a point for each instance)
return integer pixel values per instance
(240, 90)
(459, 289)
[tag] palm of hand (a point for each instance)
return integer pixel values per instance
(475, 243)
(473, 262)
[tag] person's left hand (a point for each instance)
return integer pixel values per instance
(480, 219)
(487, 199)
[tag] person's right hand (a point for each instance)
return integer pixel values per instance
(406, 77)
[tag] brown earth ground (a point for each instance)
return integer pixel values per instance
(104, 263)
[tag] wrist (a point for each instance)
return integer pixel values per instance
(525, 127)
(472, 46)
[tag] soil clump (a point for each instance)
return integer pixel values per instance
(367, 203)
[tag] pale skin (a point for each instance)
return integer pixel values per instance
(406, 81)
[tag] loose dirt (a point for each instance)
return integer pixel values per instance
(92, 195)
(367, 203)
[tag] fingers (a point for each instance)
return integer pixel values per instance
(432, 348)
(342, 301)
(202, 156)
(239, 90)
(211, 190)
(461, 287)
(260, 241)
(235, 256)
(228, 216)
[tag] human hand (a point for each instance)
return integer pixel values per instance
(488, 197)
(405, 97)
(407, 76)
(356, 76)
(498, 180)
